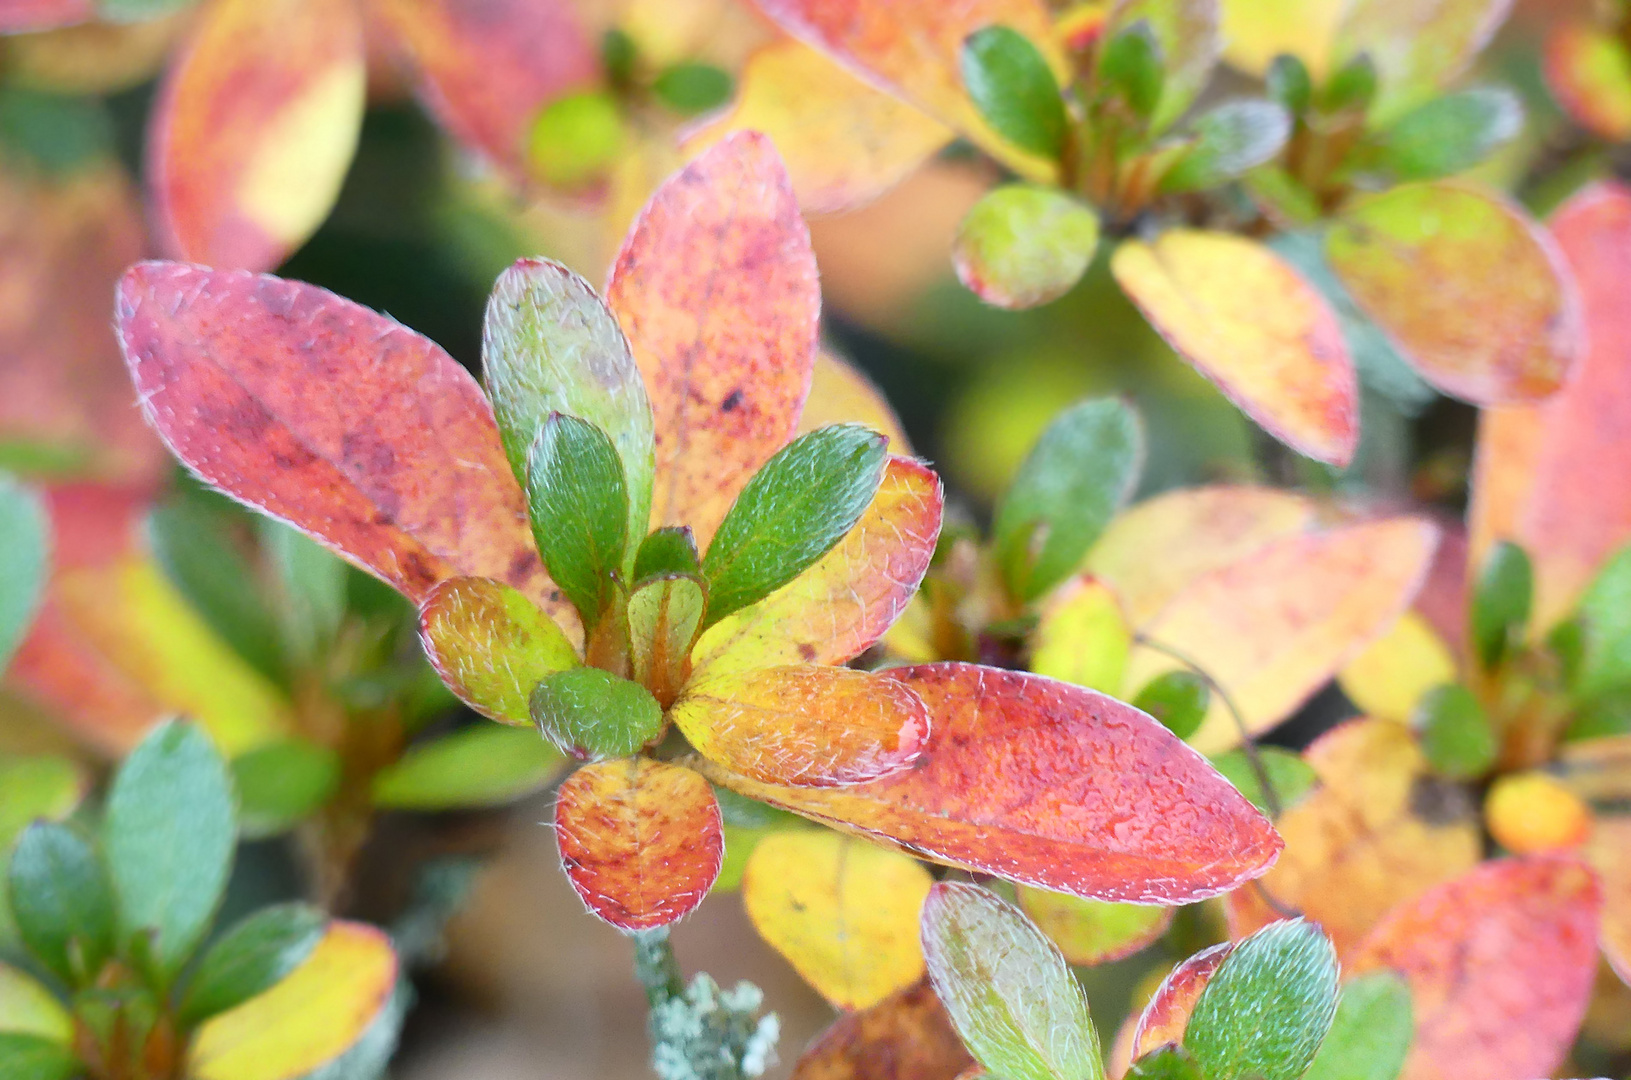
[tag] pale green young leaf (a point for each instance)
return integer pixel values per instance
(1228, 140)
(1449, 134)
(593, 714)
(281, 783)
(1023, 245)
(1605, 622)
(1455, 732)
(1371, 1033)
(484, 765)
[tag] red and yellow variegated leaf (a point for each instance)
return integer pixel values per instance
(640, 840)
(1092, 932)
(1167, 1014)
(314, 1015)
(255, 128)
(839, 607)
(804, 725)
(1249, 322)
(1388, 679)
(914, 47)
(19, 16)
(334, 418)
(716, 289)
(845, 142)
(1154, 550)
(840, 393)
(486, 69)
(63, 246)
(1589, 73)
(1274, 627)
(906, 1036)
(1609, 854)
(1474, 294)
(1049, 785)
(1500, 964)
(491, 645)
(1377, 832)
(1256, 31)
(1539, 474)
(1417, 47)
(844, 912)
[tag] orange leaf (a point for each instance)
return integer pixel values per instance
(906, 1036)
(640, 840)
(1049, 785)
(1167, 1014)
(804, 725)
(1500, 964)
(63, 245)
(1249, 322)
(486, 70)
(18, 16)
(1276, 626)
(846, 142)
(1589, 72)
(1475, 294)
(1609, 853)
(914, 47)
(335, 419)
(716, 289)
(839, 607)
(1378, 832)
(840, 393)
(255, 127)
(1538, 477)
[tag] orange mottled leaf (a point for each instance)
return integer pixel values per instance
(906, 1036)
(1500, 964)
(1248, 321)
(1049, 785)
(716, 289)
(840, 393)
(913, 48)
(804, 724)
(1379, 831)
(1589, 72)
(1538, 479)
(486, 69)
(1167, 1014)
(255, 128)
(1274, 627)
(840, 606)
(845, 142)
(333, 418)
(641, 840)
(1474, 294)
(491, 645)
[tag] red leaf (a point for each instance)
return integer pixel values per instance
(906, 1036)
(1167, 1015)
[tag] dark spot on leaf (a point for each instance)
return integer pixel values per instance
(732, 402)
(807, 652)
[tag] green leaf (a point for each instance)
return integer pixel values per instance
(1605, 625)
(580, 510)
(1501, 602)
(168, 837)
(1290, 776)
(1266, 1010)
(128, 11)
(1288, 82)
(593, 714)
(1353, 87)
(484, 765)
(576, 139)
(311, 590)
(1075, 478)
(1455, 732)
(618, 55)
(1010, 995)
(665, 614)
(691, 88)
(24, 539)
(1011, 84)
(1166, 1063)
(1179, 699)
(1371, 1034)
(1601, 717)
(251, 957)
(1228, 140)
(1131, 66)
(29, 1057)
(791, 513)
(60, 134)
(668, 550)
(1025, 244)
(281, 783)
(62, 901)
(1449, 134)
(551, 345)
(1188, 41)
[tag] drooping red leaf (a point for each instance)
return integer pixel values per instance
(641, 840)
(1167, 1014)
(906, 1036)
(487, 68)
(255, 127)
(716, 289)
(334, 418)
(1049, 785)
(1500, 964)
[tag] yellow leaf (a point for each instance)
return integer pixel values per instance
(307, 1020)
(1389, 677)
(27, 1008)
(1256, 31)
(843, 912)
(1093, 931)
(1082, 636)
(841, 394)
